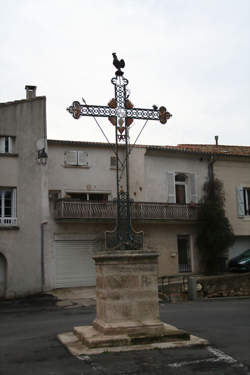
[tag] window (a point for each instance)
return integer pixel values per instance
(7, 144)
(184, 259)
(76, 158)
(7, 206)
(113, 161)
(181, 188)
(243, 200)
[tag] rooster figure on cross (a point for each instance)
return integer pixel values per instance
(119, 64)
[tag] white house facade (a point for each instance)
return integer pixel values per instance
(55, 211)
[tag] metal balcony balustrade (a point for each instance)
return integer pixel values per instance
(8, 221)
(77, 209)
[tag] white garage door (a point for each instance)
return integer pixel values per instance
(74, 264)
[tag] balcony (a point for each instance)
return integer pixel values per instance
(71, 210)
(8, 221)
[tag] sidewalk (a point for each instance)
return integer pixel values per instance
(73, 297)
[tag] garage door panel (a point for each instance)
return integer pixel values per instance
(74, 263)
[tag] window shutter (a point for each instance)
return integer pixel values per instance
(171, 187)
(2, 144)
(82, 158)
(240, 201)
(71, 157)
(193, 193)
(10, 144)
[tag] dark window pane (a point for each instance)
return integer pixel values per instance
(6, 144)
(180, 194)
(180, 177)
(7, 204)
(78, 196)
(184, 254)
(98, 197)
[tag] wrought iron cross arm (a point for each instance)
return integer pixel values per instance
(149, 114)
(77, 110)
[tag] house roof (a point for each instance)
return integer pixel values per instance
(22, 101)
(207, 149)
(183, 148)
(218, 149)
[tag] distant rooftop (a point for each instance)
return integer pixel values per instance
(183, 148)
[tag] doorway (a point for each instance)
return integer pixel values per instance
(184, 258)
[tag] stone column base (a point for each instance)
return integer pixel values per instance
(127, 306)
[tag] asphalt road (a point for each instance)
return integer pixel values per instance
(28, 343)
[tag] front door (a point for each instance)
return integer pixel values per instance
(184, 258)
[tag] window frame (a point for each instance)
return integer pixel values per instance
(7, 144)
(79, 156)
(6, 219)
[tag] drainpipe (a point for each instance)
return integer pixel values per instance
(42, 255)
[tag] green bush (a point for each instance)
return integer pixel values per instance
(215, 233)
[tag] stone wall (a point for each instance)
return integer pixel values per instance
(227, 285)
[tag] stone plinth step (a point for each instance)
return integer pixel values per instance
(87, 340)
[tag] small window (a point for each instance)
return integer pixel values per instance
(76, 158)
(7, 144)
(7, 206)
(113, 162)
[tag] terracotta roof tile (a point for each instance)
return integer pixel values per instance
(217, 149)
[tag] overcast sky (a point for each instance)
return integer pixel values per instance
(192, 56)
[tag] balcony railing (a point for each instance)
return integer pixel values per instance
(76, 209)
(8, 221)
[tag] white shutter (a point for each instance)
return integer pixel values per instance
(71, 157)
(10, 144)
(171, 187)
(82, 158)
(2, 144)
(192, 185)
(240, 201)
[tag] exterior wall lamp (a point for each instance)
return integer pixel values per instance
(42, 156)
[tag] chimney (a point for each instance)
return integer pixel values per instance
(216, 140)
(30, 91)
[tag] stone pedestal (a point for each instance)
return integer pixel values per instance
(127, 292)
(127, 310)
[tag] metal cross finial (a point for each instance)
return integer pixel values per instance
(121, 113)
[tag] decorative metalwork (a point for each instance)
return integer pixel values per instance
(121, 113)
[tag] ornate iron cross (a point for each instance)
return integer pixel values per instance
(121, 113)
